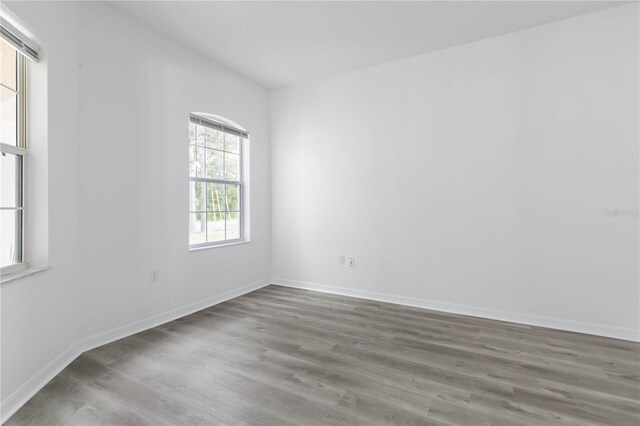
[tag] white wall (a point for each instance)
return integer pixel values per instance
(119, 98)
(473, 179)
(38, 313)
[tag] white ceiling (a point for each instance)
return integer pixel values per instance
(277, 44)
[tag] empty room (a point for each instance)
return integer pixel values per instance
(319, 212)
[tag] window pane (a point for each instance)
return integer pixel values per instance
(8, 117)
(215, 197)
(231, 192)
(214, 138)
(198, 154)
(233, 225)
(232, 143)
(8, 71)
(231, 166)
(215, 226)
(192, 132)
(196, 196)
(200, 134)
(192, 161)
(10, 179)
(214, 163)
(196, 161)
(197, 228)
(10, 226)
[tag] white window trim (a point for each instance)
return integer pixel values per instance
(219, 245)
(22, 274)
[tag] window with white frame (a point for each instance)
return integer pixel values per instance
(13, 157)
(216, 187)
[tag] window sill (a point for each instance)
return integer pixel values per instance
(214, 246)
(21, 274)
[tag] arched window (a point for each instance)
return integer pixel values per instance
(216, 186)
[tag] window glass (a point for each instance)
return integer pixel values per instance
(10, 173)
(231, 166)
(232, 143)
(232, 225)
(197, 228)
(232, 198)
(214, 138)
(10, 248)
(215, 226)
(215, 197)
(8, 66)
(196, 196)
(215, 163)
(8, 116)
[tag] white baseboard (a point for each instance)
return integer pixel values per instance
(24, 393)
(533, 320)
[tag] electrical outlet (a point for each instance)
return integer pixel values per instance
(341, 260)
(352, 262)
(155, 275)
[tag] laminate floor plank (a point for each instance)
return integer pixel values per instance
(282, 356)
(484, 364)
(603, 367)
(475, 325)
(549, 353)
